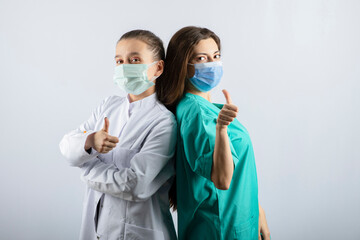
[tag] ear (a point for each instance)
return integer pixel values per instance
(159, 68)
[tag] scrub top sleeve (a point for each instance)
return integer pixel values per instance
(149, 169)
(233, 153)
(72, 144)
(198, 146)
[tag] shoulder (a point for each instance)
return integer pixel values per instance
(163, 115)
(191, 116)
(114, 100)
(108, 103)
(190, 109)
(194, 118)
(111, 100)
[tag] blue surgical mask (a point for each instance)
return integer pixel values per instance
(132, 78)
(207, 75)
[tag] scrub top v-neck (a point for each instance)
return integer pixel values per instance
(205, 212)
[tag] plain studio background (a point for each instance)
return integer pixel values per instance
(292, 68)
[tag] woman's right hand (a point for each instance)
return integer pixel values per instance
(264, 232)
(101, 141)
(227, 113)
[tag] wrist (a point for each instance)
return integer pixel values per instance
(89, 143)
(221, 128)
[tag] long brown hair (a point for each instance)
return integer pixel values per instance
(173, 83)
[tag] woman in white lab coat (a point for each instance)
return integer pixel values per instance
(125, 150)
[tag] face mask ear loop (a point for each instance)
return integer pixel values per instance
(154, 77)
(151, 64)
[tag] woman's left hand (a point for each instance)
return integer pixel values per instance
(227, 113)
(263, 226)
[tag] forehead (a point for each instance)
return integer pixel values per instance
(127, 46)
(206, 46)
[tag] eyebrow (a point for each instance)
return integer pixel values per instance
(205, 53)
(130, 54)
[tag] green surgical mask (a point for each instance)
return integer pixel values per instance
(132, 78)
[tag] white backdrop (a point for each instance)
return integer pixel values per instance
(291, 66)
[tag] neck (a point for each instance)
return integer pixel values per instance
(133, 98)
(205, 95)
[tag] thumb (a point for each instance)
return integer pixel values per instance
(106, 125)
(227, 96)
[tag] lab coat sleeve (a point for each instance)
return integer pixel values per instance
(149, 169)
(72, 144)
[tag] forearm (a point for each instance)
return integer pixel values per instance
(147, 171)
(127, 183)
(223, 166)
(89, 143)
(72, 147)
(106, 178)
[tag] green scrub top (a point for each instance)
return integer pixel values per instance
(205, 212)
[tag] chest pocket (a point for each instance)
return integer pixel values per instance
(122, 156)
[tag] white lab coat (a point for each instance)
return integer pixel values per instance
(129, 184)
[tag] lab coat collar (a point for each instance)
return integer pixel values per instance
(144, 103)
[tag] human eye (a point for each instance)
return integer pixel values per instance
(119, 61)
(135, 60)
(200, 59)
(217, 56)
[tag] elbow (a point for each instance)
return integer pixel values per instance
(140, 195)
(222, 186)
(222, 183)
(73, 156)
(65, 150)
(222, 180)
(139, 198)
(73, 162)
(134, 188)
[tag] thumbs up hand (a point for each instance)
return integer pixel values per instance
(106, 125)
(101, 141)
(227, 113)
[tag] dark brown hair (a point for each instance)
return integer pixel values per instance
(173, 83)
(154, 42)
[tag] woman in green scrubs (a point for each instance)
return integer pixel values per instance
(216, 181)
